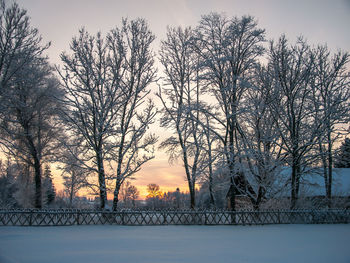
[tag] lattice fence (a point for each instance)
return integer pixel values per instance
(87, 217)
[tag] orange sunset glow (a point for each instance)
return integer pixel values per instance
(158, 170)
(169, 176)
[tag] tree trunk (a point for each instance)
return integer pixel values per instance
(37, 165)
(293, 186)
(297, 181)
(259, 198)
(71, 197)
(212, 199)
(231, 165)
(330, 172)
(232, 195)
(116, 194)
(210, 164)
(192, 195)
(102, 182)
(191, 183)
(118, 182)
(38, 197)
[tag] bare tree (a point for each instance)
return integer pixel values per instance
(129, 193)
(134, 194)
(262, 155)
(331, 100)
(293, 111)
(19, 43)
(154, 195)
(211, 148)
(228, 49)
(106, 82)
(134, 146)
(29, 128)
(73, 181)
(23, 74)
(74, 173)
(92, 80)
(180, 99)
(153, 191)
(123, 192)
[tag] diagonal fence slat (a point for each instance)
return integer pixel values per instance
(32, 217)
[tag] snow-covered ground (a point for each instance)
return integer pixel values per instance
(215, 244)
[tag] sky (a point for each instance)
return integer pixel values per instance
(319, 21)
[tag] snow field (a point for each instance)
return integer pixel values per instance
(214, 244)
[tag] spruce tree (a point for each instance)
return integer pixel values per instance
(49, 188)
(343, 156)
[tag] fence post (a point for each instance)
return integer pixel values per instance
(233, 217)
(164, 218)
(30, 217)
(77, 217)
(278, 216)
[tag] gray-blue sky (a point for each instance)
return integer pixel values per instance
(319, 21)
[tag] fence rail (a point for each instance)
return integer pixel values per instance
(85, 217)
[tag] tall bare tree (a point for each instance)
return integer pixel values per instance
(211, 148)
(107, 83)
(134, 145)
(21, 87)
(331, 100)
(92, 80)
(29, 127)
(262, 156)
(228, 49)
(292, 68)
(180, 98)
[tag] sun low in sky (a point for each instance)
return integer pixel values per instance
(319, 21)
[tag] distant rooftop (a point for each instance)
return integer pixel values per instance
(313, 183)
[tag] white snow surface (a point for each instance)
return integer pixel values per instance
(215, 244)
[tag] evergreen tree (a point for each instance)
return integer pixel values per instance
(343, 156)
(49, 188)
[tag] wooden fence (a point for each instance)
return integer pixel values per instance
(138, 218)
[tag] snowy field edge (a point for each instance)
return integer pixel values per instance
(106, 243)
